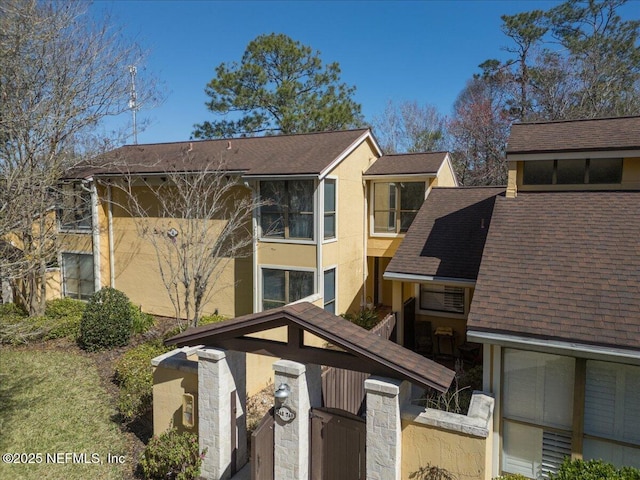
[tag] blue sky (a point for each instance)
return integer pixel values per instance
(390, 50)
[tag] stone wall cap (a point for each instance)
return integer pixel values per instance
(287, 367)
(211, 354)
(387, 386)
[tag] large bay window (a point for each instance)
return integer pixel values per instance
(537, 412)
(280, 287)
(395, 205)
(288, 209)
(77, 275)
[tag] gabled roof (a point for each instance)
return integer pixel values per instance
(408, 164)
(363, 350)
(301, 154)
(621, 133)
(562, 266)
(447, 237)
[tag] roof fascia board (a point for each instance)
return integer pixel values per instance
(293, 176)
(409, 277)
(349, 150)
(592, 352)
(532, 156)
(399, 176)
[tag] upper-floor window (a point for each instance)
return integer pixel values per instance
(395, 205)
(75, 207)
(288, 212)
(329, 208)
(583, 171)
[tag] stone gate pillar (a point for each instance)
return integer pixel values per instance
(291, 449)
(384, 432)
(221, 412)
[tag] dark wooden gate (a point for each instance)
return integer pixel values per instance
(262, 442)
(338, 442)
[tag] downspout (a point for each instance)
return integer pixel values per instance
(112, 261)
(365, 230)
(254, 246)
(95, 232)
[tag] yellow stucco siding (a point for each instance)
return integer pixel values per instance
(287, 254)
(446, 176)
(347, 253)
(463, 455)
(137, 272)
(169, 385)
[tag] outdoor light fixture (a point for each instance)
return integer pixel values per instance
(282, 393)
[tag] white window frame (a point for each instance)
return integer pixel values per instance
(372, 203)
(63, 275)
(335, 288)
(440, 313)
(314, 220)
(323, 213)
(286, 268)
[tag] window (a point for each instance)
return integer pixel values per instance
(590, 171)
(395, 205)
(538, 412)
(280, 287)
(329, 208)
(289, 213)
(75, 208)
(330, 290)
(77, 275)
(612, 413)
(441, 298)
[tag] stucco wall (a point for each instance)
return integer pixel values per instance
(173, 376)
(461, 444)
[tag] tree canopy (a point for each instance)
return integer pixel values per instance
(279, 86)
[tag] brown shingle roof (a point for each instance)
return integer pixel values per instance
(622, 133)
(299, 154)
(562, 266)
(408, 164)
(383, 357)
(447, 237)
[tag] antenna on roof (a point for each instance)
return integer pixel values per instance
(133, 97)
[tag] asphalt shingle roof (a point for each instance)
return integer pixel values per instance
(622, 133)
(447, 237)
(384, 355)
(302, 154)
(408, 164)
(562, 266)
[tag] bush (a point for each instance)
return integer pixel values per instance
(594, 470)
(61, 319)
(511, 476)
(205, 320)
(140, 321)
(134, 375)
(172, 455)
(432, 472)
(365, 318)
(106, 322)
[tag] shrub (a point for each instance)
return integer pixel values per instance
(106, 322)
(172, 455)
(62, 318)
(140, 321)
(134, 375)
(511, 476)
(594, 470)
(205, 320)
(431, 472)
(365, 318)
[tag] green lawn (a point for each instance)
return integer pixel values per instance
(52, 403)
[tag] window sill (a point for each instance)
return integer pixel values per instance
(287, 240)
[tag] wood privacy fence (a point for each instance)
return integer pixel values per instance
(344, 389)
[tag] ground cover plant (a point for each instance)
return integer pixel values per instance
(53, 402)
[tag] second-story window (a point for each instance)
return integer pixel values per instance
(591, 171)
(329, 208)
(289, 209)
(395, 205)
(74, 212)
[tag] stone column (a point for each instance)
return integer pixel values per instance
(384, 433)
(216, 382)
(291, 450)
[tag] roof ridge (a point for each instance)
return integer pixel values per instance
(595, 119)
